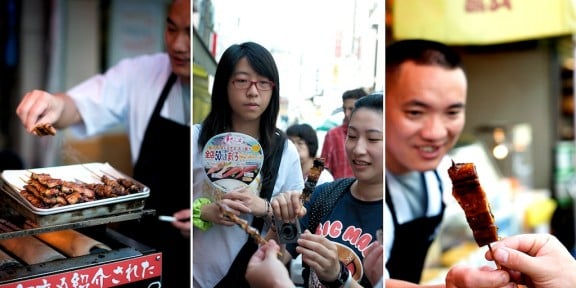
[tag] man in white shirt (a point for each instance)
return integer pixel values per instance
(150, 96)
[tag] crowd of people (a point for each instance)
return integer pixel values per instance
(247, 83)
(246, 86)
(425, 106)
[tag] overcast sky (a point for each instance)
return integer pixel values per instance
(282, 25)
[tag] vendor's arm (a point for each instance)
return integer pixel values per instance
(40, 106)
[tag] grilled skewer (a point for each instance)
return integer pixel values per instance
(468, 192)
(472, 198)
(44, 191)
(44, 129)
(312, 179)
(252, 232)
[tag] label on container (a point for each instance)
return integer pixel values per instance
(232, 160)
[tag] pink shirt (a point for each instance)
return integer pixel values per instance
(334, 152)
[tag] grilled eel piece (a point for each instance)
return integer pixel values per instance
(44, 129)
(312, 179)
(469, 194)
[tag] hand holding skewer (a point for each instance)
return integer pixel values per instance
(252, 232)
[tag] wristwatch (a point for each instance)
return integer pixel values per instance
(341, 280)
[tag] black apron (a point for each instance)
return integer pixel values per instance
(164, 166)
(412, 240)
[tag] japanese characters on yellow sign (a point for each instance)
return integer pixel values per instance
(471, 22)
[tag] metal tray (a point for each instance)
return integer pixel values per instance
(14, 181)
(11, 205)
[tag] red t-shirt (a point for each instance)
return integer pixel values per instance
(334, 152)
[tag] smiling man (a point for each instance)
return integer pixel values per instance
(425, 109)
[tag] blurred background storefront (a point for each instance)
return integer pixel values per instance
(519, 58)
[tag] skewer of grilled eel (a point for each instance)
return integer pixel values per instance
(252, 232)
(309, 187)
(312, 179)
(44, 191)
(468, 192)
(44, 129)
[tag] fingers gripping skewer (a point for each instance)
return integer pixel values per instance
(492, 254)
(252, 232)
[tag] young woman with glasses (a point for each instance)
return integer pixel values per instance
(245, 99)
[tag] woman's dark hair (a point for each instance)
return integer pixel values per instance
(306, 133)
(372, 102)
(219, 119)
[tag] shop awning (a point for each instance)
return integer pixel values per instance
(482, 22)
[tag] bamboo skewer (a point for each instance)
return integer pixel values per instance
(252, 232)
(492, 253)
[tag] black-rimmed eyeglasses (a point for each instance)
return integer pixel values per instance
(246, 84)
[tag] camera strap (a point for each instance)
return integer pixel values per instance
(235, 276)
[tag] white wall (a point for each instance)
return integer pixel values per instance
(514, 87)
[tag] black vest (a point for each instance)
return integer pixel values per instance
(164, 165)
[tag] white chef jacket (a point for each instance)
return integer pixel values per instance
(126, 95)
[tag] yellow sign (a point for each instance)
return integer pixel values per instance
(470, 22)
(201, 94)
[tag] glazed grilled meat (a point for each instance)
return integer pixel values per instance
(43, 191)
(469, 194)
(312, 178)
(45, 129)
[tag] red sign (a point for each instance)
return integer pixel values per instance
(105, 275)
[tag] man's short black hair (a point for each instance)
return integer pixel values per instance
(421, 51)
(354, 94)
